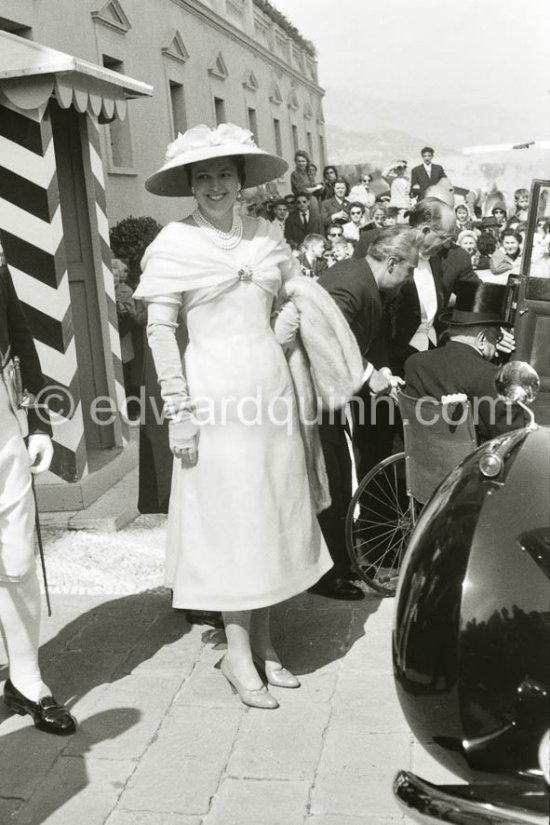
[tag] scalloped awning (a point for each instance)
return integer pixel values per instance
(31, 73)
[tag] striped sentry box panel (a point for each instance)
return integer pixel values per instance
(101, 231)
(32, 236)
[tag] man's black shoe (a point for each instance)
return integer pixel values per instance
(208, 617)
(337, 589)
(48, 714)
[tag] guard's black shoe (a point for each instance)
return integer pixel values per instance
(209, 617)
(48, 714)
(337, 589)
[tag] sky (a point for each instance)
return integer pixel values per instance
(475, 51)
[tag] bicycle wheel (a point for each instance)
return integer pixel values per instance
(379, 522)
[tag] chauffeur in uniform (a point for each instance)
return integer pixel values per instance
(24, 692)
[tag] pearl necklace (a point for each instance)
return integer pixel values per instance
(225, 240)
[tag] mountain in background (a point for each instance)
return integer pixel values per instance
(440, 123)
(375, 149)
(383, 131)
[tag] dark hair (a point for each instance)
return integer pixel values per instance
(399, 242)
(344, 181)
(427, 211)
(334, 169)
(300, 153)
(239, 163)
(521, 193)
(486, 243)
(302, 195)
(311, 165)
(427, 149)
(510, 233)
(357, 205)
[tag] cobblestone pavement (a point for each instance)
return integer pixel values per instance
(162, 740)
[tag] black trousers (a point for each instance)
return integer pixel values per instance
(376, 423)
(333, 520)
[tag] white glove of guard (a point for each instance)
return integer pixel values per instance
(40, 452)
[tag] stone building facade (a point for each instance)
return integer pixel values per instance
(207, 61)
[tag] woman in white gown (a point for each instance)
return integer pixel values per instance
(242, 530)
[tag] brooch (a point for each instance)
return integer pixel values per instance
(245, 273)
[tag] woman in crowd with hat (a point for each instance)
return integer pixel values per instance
(242, 530)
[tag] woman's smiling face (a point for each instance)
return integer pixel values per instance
(215, 185)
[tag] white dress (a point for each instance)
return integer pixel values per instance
(242, 531)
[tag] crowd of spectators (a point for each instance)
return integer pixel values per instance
(346, 215)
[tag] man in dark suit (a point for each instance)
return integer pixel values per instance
(442, 265)
(311, 260)
(24, 691)
(302, 222)
(356, 286)
(463, 364)
(425, 174)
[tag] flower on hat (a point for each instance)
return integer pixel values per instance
(202, 136)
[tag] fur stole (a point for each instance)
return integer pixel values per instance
(326, 369)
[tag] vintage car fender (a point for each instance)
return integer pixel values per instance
(471, 642)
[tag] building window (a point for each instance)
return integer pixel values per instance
(295, 137)
(219, 110)
(278, 137)
(253, 124)
(177, 104)
(309, 145)
(120, 136)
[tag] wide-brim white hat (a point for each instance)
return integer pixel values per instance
(202, 143)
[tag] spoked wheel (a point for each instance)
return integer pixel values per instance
(379, 522)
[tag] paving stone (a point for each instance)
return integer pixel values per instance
(206, 687)
(286, 744)
(424, 764)
(77, 790)
(168, 642)
(356, 772)
(121, 817)
(337, 819)
(109, 632)
(370, 701)
(182, 769)
(373, 652)
(26, 756)
(251, 802)
(126, 717)
(309, 625)
(9, 809)
(73, 674)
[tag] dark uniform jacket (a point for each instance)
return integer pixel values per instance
(458, 367)
(16, 340)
